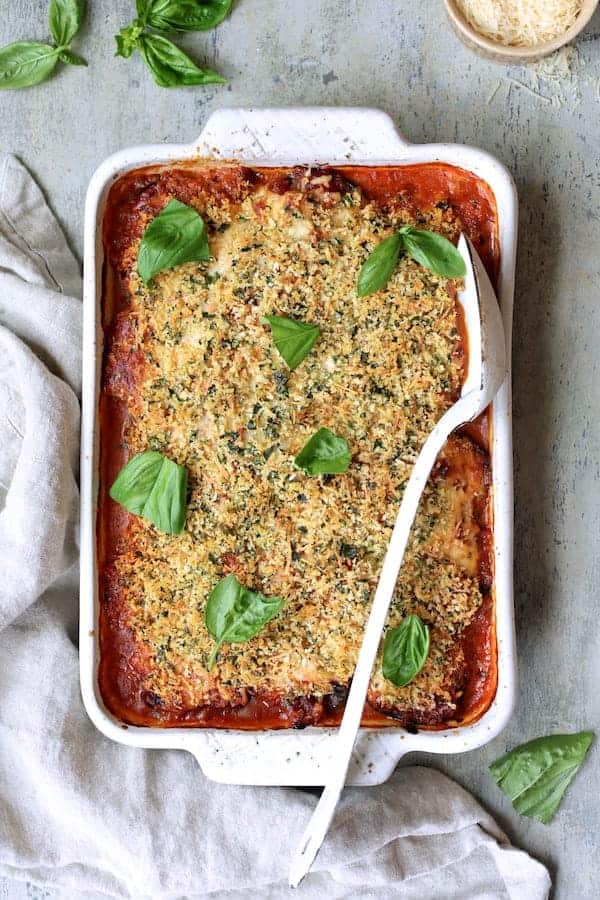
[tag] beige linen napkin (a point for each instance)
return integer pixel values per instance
(78, 812)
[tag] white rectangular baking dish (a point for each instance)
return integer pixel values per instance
(266, 137)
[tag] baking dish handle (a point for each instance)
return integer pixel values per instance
(285, 758)
(336, 136)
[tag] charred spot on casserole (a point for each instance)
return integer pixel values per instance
(191, 371)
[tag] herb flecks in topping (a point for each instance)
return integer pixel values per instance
(293, 339)
(405, 650)
(535, 775)
(234, 614)
(176, 235)
(429, 249)
(152, 486)
(324, 454)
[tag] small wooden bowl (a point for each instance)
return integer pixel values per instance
(519, 55)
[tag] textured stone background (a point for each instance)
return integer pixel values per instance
(402, 57)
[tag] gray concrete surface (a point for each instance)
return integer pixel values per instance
(402, 57)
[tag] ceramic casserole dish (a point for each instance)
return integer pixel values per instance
(279, 138)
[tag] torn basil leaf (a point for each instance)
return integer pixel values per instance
(234, 614)
(176, 235)
(294, 340)
(324, 454)
(405, 650)
(152, 486)
(535, 775)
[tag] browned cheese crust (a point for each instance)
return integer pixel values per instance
(190, 370)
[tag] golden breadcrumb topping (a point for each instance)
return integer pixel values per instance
(216, 396)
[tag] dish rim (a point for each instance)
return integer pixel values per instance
(293, 136)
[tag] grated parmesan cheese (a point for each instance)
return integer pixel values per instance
(520, 23)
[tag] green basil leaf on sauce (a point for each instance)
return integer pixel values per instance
(379, 266)
(177, 235)
(294, 340)
(433, 251)
(65, 17)
(26, 63)
(152, 486)
(405, 650)
(324, 454)
(185, 15)
(234, 614)
(170, 66)
(535, 775)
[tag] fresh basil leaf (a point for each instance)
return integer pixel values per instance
(186, 15)
(72, 59)
(177, 235)
(405, 650)
(170, 66)
(26, 63)
(143, 8)
(379, 266)
(535, 775)
(294, 340)
(152, 486)
(234, 614)
(128, 39)
(324, 454)
(433, 251)
(65, 17)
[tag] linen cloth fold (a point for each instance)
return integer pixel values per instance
(80, 813)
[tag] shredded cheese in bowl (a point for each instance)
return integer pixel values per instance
(520, 23)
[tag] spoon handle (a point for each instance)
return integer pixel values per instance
(320, 821)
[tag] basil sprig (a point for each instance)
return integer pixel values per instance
(324, 454)
(176, 235)
(234, 614)
(405, 650)
(152, 486)
(26, 63)
(429, 249)
(170, 66)
(294, 340)
(535, 775)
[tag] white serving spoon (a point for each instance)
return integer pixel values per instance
(486, 371)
